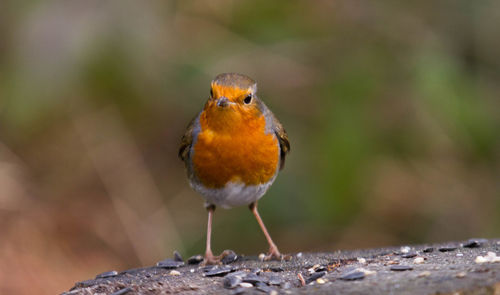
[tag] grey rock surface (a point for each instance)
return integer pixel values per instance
(371, 271)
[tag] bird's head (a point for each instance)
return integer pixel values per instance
(232, 101)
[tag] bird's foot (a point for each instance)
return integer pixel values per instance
(210, 259)
(274, 254)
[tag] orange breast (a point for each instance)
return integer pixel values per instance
(245, 154)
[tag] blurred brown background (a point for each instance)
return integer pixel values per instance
(392, 110)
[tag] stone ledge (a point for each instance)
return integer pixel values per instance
(451, 268)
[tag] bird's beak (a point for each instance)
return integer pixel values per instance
(223, 102)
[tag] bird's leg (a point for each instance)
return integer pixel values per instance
(273, 249)
(209, 256)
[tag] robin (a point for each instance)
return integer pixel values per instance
(233, 150)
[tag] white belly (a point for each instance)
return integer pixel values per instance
(233, 194)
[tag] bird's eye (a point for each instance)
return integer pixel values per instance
(248, 99)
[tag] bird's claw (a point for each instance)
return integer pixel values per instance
(274, 254)
(210, 259)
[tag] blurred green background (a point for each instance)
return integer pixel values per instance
(392, 110)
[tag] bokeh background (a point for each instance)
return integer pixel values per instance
(392, 109)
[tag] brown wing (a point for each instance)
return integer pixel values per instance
(187, 140)
(283, 140)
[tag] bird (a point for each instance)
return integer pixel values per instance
(233, 150)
